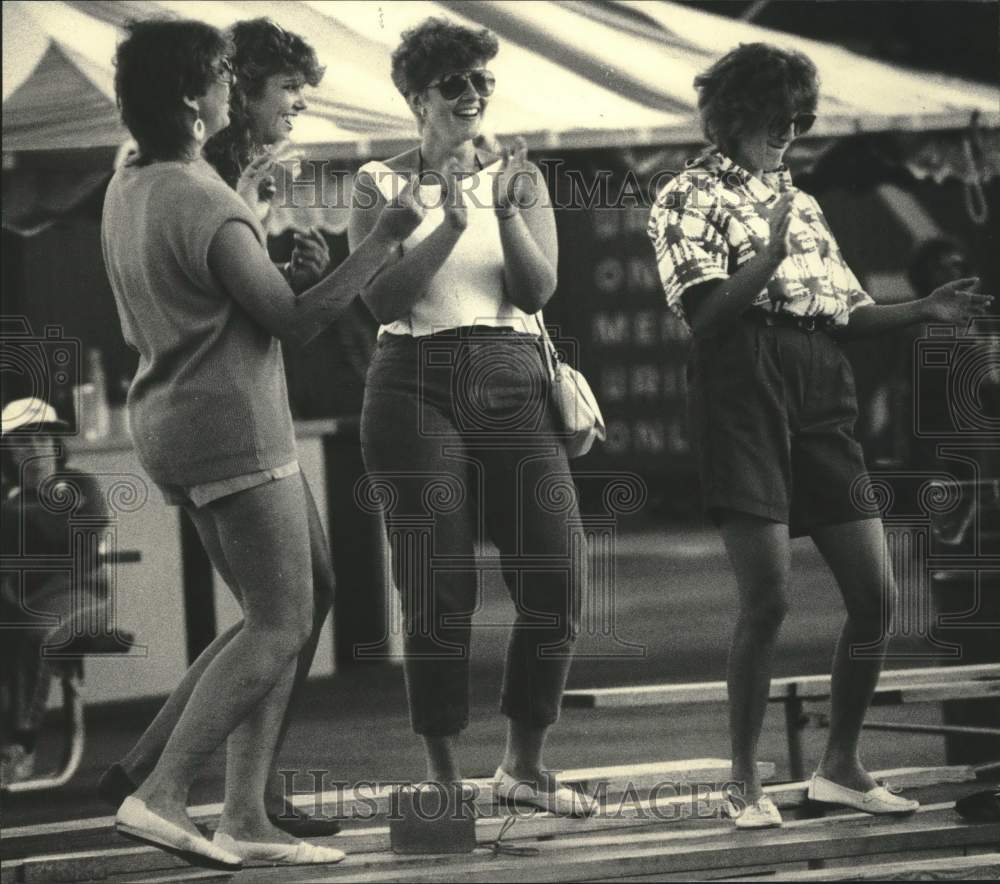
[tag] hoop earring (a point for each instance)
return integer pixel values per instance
(199, 130)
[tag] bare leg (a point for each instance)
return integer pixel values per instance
(856, 554)
(249, 755)
(142, 757)
(251, 747)
(323, 587)
(442, 763)
(759, 552)
(522, 758)
(145, 753)
(264, 536)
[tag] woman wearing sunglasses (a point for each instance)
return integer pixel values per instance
(455, 426)
(752, 266)
(205, 308)
(267, 71)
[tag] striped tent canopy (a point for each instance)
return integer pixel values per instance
(571, 73)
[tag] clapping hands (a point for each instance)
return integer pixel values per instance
(452, 200)
(402, 215)
(514, 181)
(310, 260)
(779, 220)
(257, 184)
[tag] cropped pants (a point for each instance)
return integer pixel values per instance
(460, 449)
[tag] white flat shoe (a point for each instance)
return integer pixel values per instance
(762, 814)
(302, 853)
(876, 800)
(563, 800)
(136, 821)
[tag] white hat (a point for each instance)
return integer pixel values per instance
(33, 413)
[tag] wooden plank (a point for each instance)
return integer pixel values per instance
(981, 867)
(929, 693)
(359, 803)
(812, 687)
(695, 806)
(371, 802)
(657, 853)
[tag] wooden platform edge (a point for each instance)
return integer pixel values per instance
(985, 866)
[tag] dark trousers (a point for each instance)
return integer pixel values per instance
(459, 445)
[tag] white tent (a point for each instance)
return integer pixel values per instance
(578, 73)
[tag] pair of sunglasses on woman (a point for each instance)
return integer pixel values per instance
(800, 123)
(453, 85)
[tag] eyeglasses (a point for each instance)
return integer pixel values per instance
(452, 86)
(800, 123)
(223, 70)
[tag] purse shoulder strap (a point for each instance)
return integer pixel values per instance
(548, 348)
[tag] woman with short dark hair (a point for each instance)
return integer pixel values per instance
(271, 67)
(456, 425)
(201, 302)
(750, 263)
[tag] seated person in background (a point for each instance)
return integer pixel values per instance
(48, 614)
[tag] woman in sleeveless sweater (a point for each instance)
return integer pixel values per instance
(457, 434)
(271, 67)
(201, 302)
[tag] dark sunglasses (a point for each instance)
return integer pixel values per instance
(223, 70)
(454, 85)
(800, 123)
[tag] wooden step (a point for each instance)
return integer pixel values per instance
(618, 815)
(366, 806)
(657, 853)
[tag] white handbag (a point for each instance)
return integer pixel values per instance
(573, 400)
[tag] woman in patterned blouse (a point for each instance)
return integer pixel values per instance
(752, 266)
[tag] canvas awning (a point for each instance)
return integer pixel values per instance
(577, 73)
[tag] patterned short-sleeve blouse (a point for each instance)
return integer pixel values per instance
(713, 217)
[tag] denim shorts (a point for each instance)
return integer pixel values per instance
(206, 492)
(773, 410)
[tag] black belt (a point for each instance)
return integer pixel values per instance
(809, 324)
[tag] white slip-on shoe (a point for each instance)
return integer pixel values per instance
(876, 800)
(761, 814)
(301, 853)
(562, 800)
(136, 821)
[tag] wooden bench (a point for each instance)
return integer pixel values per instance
(369, 805)
(620, 819)
(894, 687)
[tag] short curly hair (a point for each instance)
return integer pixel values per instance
(750, 85)
(261, 49)
(437, 46)
(159, 64)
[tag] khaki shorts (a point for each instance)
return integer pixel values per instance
(199, 495)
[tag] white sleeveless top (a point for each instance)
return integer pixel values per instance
(468, 289)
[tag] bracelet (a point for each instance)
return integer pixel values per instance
(511, 212)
